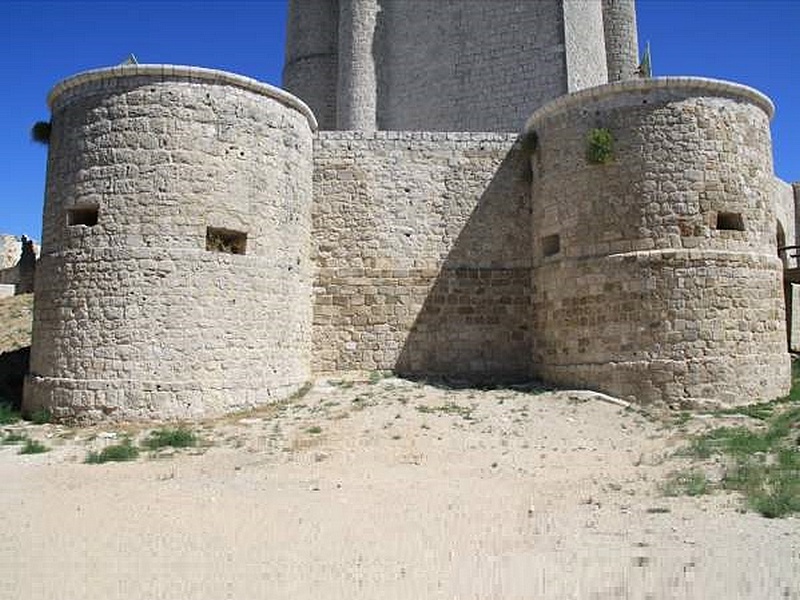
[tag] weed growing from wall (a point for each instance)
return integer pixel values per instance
(40, 132)
(600, 146)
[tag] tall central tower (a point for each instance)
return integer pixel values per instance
(451, 65)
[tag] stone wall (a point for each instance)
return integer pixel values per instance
(448, 65)
(681, 328)
(656, 275)
(421, 241)
(622, 45)
(785, 226)
(203, 251)
(175, 276)
(468, 65)
(785, 235)
(584, 44)
(311, 61)
(794, 316)
(356, 99)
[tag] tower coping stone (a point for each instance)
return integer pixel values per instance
(705, 85)
(181, 72)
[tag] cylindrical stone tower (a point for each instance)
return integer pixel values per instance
(622, 45)
(357, 92)
(449, 65)
(175, 278)
(656, 276)
(311, 65)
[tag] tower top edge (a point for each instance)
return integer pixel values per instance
(162, 72)
(695, 85)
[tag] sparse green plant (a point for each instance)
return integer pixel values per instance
(178, 437)
(658, 510)
(761, 411)
(770, 483)
(682, 418)
(33, 447)
(783, 424)
(763, 464)
(302, 391)
(361, 402)
(7, 413)
(315, 429)
(121, 452)
(448, 408)
(599, 146)
(41, 416)
(691, 482)
(699, 447)
(376, 376)
(14, 438)
(726, 440)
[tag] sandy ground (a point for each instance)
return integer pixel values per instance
(390, 489)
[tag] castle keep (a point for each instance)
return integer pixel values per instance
(422, 199)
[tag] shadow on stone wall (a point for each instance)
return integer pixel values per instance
(475, 324)
(13, 367)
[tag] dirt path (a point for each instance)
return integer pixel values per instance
(386, 490)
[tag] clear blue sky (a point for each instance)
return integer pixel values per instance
(754, 42)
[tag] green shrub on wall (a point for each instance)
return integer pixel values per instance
(600, 146)
(40, 132)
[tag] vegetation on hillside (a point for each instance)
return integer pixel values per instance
(762, 462)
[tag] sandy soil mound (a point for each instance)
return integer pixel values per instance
(389, 489)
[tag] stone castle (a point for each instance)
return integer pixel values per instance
(469, 190)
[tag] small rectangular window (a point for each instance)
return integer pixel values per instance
(730, 221)
(551, 245)
(84, 215)
(225, 240)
